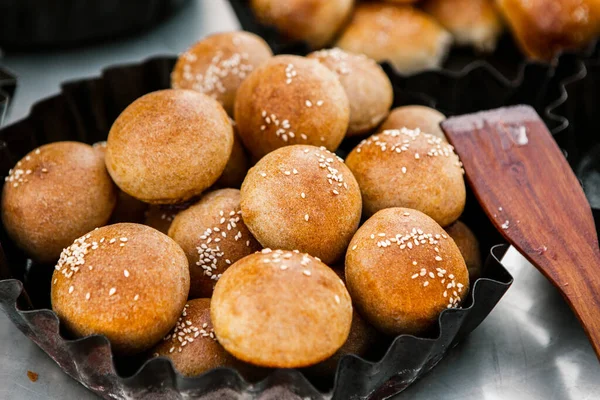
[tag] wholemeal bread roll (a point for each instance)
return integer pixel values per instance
(545, 27)
(281, 309)
(302, 197)
(213, 236)
(415, 117)
(128, 208)
(169, 146)
(408, 38)
(474, 23)
(55, 194)
(127, 282)
(217, 65)
(469, 247)
(368, 88)
(291, 100)
(402, 271)
(408, 168)
(313, 21)
(192, 345)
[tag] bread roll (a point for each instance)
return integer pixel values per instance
(169, 146)
(402, 271)
(409, 39)
(55, 194)
(475, 23)
(415, 117)
(291, 100)
(543, 28)
(281, 309)
(368, 88)
(313, 21)
(217, 65)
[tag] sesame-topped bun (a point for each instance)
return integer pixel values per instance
(281, 309)
(415, 117)
(403, 270)
(477, 24)
(217, 64)
(469, 247)
(408, 38)
(302, 197)
(312, 21)
(169, 146)
(55, 194)
(213, 236)
(236, 168)
(128, 208)
(291, 100)
(406, 168)
(126, 281)
(192, 345)
(368, 88)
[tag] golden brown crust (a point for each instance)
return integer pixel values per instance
(201, 351)
(302, 197)
(415, 117)
(281, 309)
(126, 281)
(406, 37)
(368, 88)
(213, 236)
(545, 27)
(398, 286)
(55, 194)
(474, 23)
(469, 247)
(313, 21)
(291, 100)
(236, 168)
(406, 168)
(169, 146)
(217, 65)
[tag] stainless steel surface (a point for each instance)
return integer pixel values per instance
(531, 346)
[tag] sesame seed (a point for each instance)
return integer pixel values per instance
(354, 247)
(303, 195)
(87, 296)
(403, 170)
(426, 283)
(414, 263)
(112, 291)
(308, 103)
(123, 239)
(307, 272)
(306, 217)
(337, 299)
(319, 103)
(415, 276)
(71, 288)
(126, 273)
(136, 297)
(295, 171)
(283, 267)
(112, 240)
(438, 258)
(263, 174)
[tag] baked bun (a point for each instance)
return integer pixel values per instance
(192, 345)
(361, 338)
(408, 38)
(236, 168)
(217, 64)
(169, 146)
(313, 21)
(403, 270)
(55, 194)
(368, 88)
(302, 197)
(408, 168)
(475, 23)
(291, 100)
(469, 248)
(128, 208)
(281, 309)
(415, 117)
(127, 282)
(213, 236)
(543, 28)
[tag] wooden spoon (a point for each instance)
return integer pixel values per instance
(528, 190)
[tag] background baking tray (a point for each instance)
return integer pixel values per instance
(26, 24)
(506, 61)
(84, 111)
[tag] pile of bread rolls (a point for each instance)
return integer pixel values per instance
(168, 243)
(415, 35)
